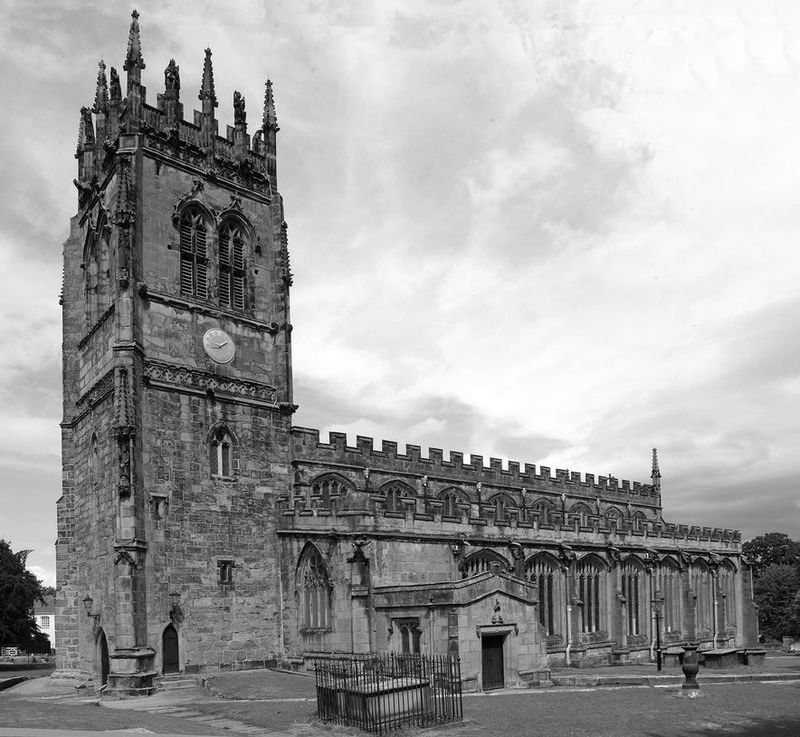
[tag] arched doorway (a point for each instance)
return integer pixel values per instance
(170, 662)
(101, 664)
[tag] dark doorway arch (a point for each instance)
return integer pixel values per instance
(170, 662)
(102, 665)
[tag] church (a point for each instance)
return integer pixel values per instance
(199, 529)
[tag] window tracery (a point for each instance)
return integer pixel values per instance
(314, 589)
(481, 561)
(635, 596)
(232, 265)
(221, 453)
(394, 492)
(451, 498)
(544, 571)
(193, 255)
(590, 588)
(545, 509)
(327, 488)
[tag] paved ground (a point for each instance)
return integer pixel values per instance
(269, 703)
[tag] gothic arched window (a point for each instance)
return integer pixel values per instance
(590, 585)
(231, 265)
(727, 590)
(544, 507)
(633, 589)
(97, 272)
(481, 561)
(327, 488)
(580, 512)
(394, 491)
(502, 504)
(194, 255)
(221, 453)
(314, 590)
(667, 583)
(451, 498)
(701, 584)
(543, 570)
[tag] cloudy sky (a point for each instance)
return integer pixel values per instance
(561, 233)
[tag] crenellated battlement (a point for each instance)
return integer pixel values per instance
(525, 475)
(247, 161)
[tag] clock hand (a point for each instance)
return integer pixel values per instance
(224, 342)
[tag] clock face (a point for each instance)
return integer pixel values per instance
(219, 346)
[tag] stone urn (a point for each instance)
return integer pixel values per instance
(690, 666)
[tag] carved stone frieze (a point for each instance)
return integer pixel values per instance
(101, 389)
(182, 376)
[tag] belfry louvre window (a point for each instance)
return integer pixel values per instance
(313, 587)
(231, 266)
(221, 454)
(194, 258)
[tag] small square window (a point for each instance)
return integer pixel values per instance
(225, 568)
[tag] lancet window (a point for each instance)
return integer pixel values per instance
(194, 255)
(502, 504)
(231, 266)
(221, 453)
(481, 561)
(544, 571)
(314, 590)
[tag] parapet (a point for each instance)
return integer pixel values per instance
(364, 454)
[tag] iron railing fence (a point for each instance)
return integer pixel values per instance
(378, 692)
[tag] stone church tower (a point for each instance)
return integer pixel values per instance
(177, 383)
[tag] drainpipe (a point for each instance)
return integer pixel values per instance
(653, 623)
(569, 635)
(716, 609)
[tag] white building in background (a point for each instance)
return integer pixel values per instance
(45, 615)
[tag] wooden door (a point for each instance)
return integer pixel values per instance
(102, 654)
(169, 651)
(492, 646)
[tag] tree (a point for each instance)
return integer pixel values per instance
(772, 548)
(776, 593)
(19, 589)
